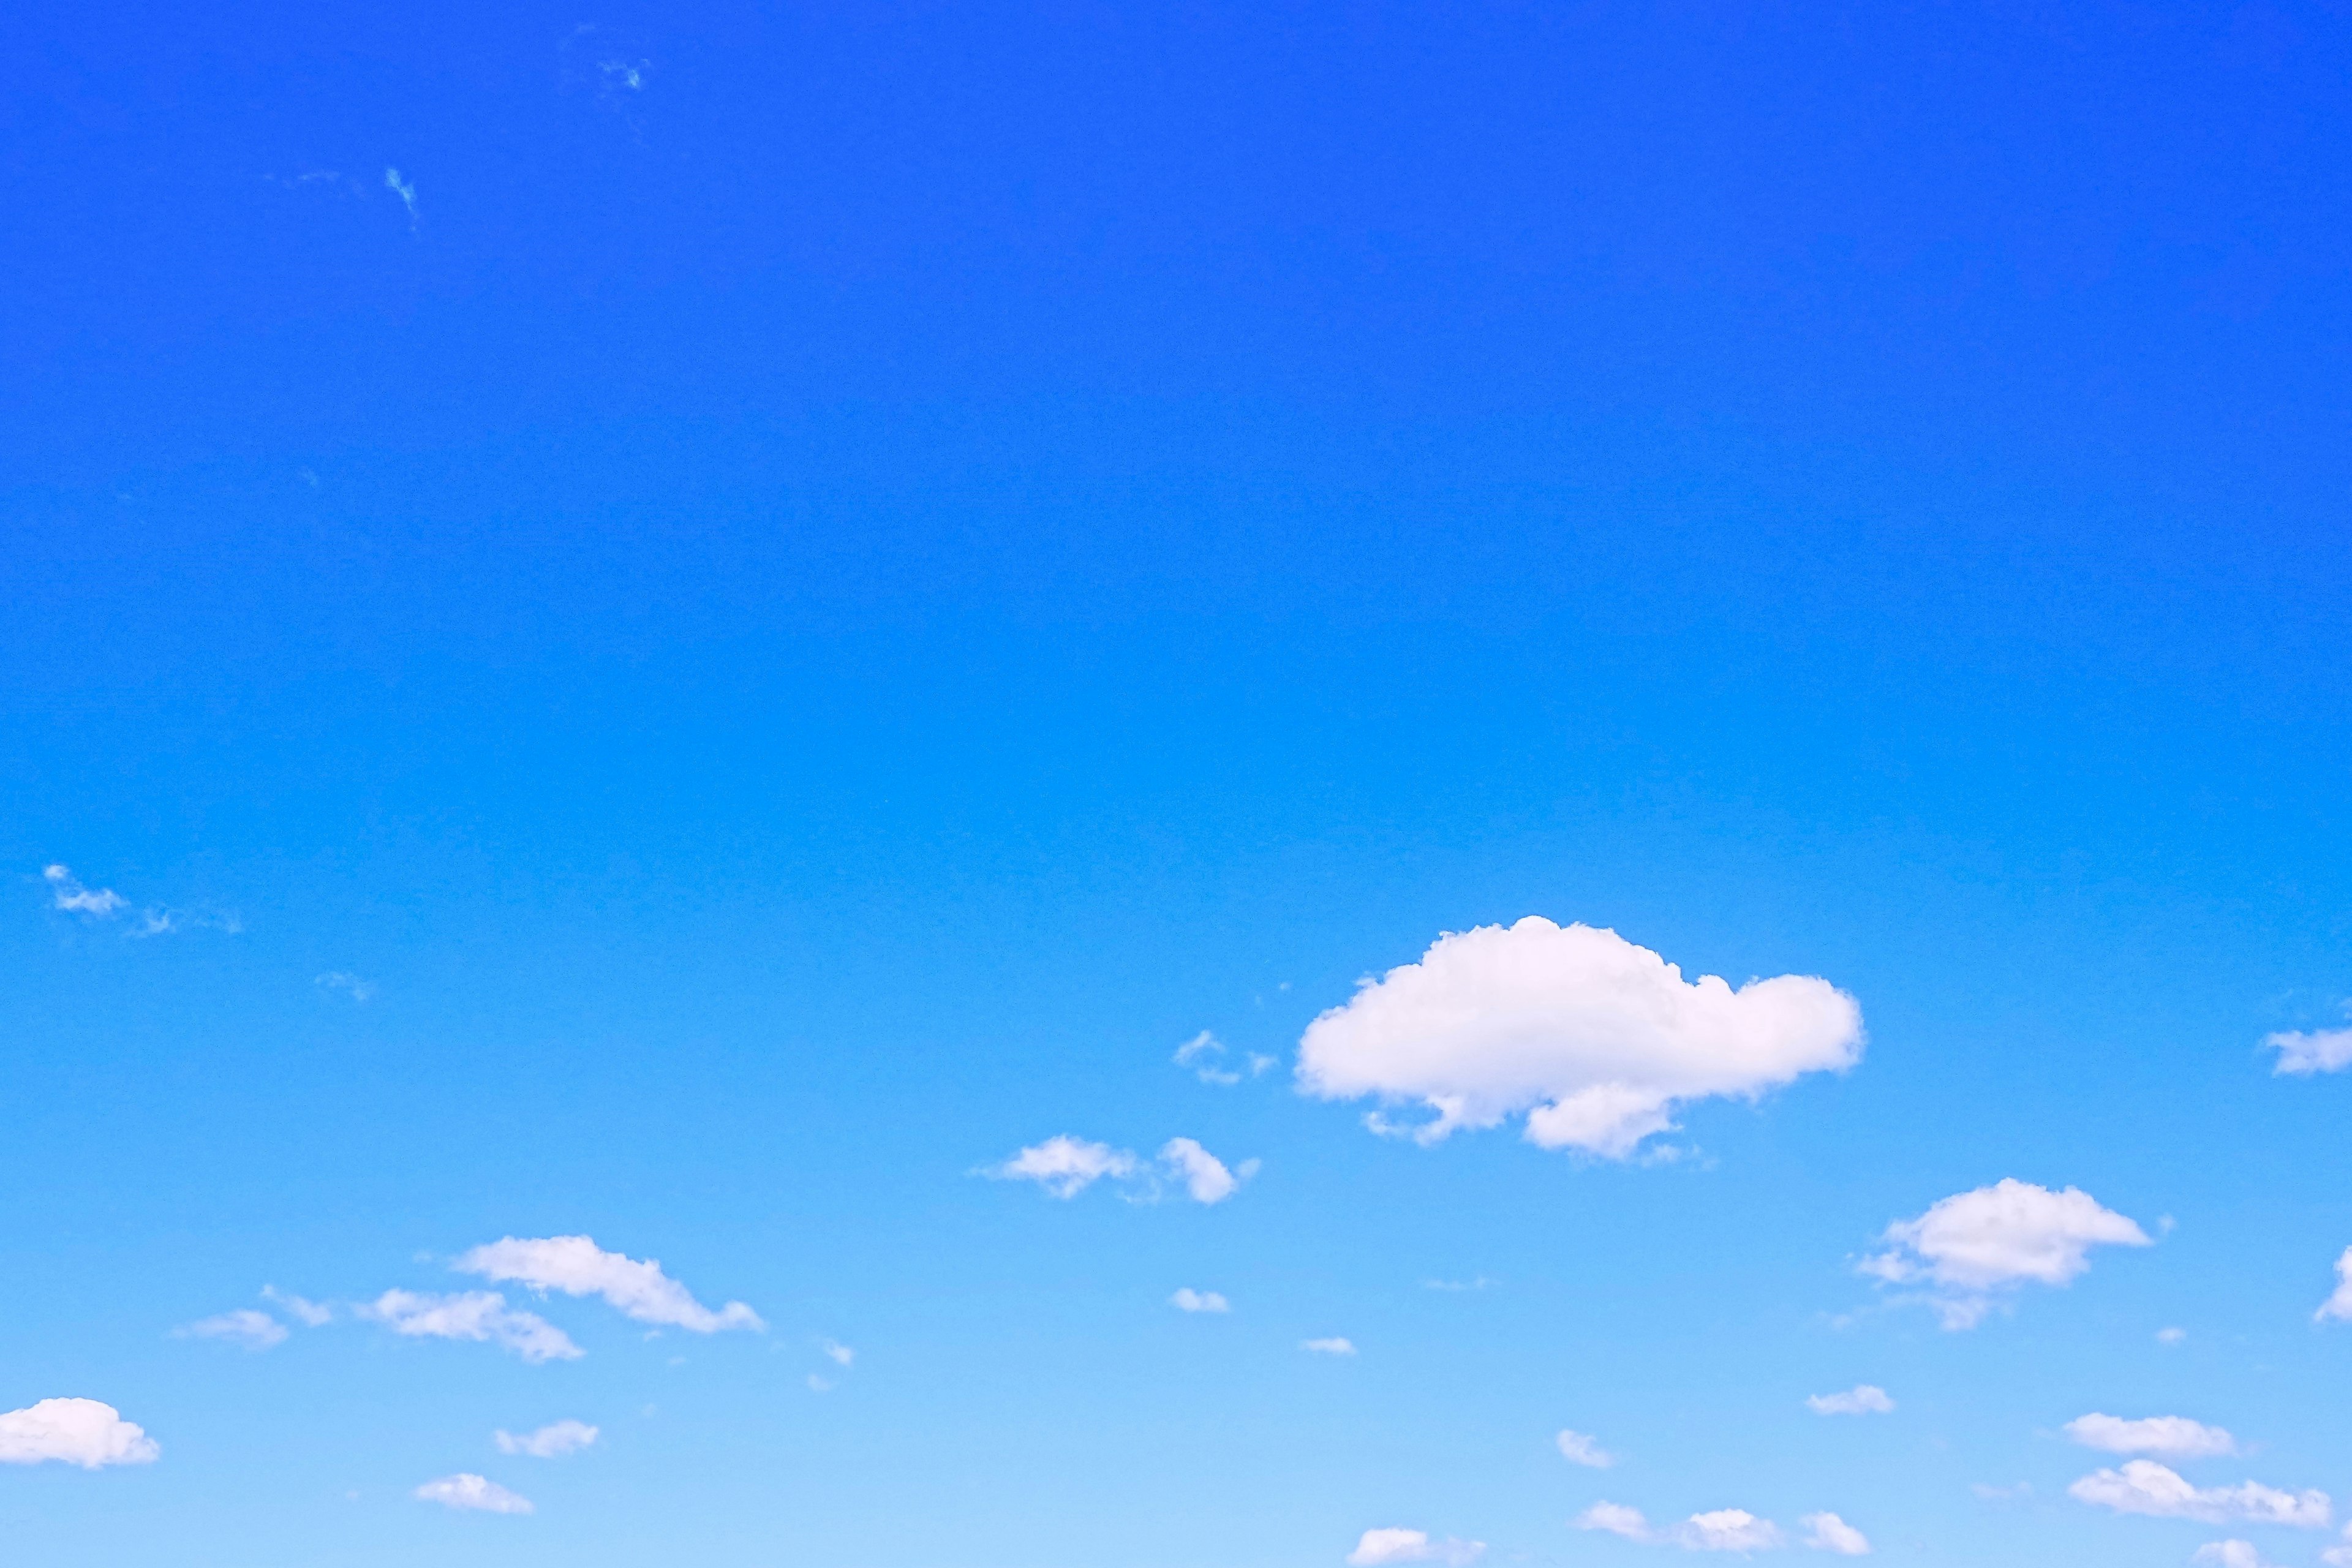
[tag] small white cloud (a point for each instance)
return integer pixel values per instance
(1204, 1056)
(478, 1315)
(552, 1441)
(407, 194)
(1479, 1283)
(1333, 1346)
(314, 1314)
(2338, 1306)
(1259, 1065)
(1862, 1399)
(2018, 1493)
(1596, 1040)
(2302, 1055)
(576, 1266)
(836, 1352)
(2145, 1487)
(1204, 1176)
(1188, 1300)
(1378, 1548)
(2171, 1336)
(254, 1331)
(2238, 1554)
(1583, 1448)
(66, 892)
(352, 985)
(73, 1432)
(2173, 1436)
(472, 1494)
(1970, 1246)
(1827, 1532)
(820, 1384)
(1065, 1166)
(1722, 1529)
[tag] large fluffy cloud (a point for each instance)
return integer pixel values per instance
(1381, 1548)
(73, 1432)
(1596, 1039)
(2174, 1437)
(2145, 1487)
(481, 1315)
(1972, 1245)
(576, 1266)
(472, 1494)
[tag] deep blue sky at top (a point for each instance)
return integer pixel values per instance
(968, 530)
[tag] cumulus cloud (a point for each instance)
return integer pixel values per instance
(1067, 1166)
(2145, 1487)
(1862, 1399)
(552, 1441)
(2237, 1554)
(313, 1314)
(1721, 1529)
(1379, 1547)
(2338, 1306)
(481, 1315)
(1967, 1248)
(1596, 1040)
(576, 1266)
(1827, 1532)
(2174, 1437)
(1583, 1448)
(1332, 1346)
(2300, 1055)
(254, 1331)
(1188, 1300)
(74, 1432)
(65, 892)
(472, 1494)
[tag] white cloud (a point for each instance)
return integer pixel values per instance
(73, 1432)
(1827, 1532)
(1191, 1300)
(2171, 1336)
(1970, 1244)
(551, 1441)
(1480, 1283)
(472, 1493)
(2338, 1306)
(1862, 1399)
(1333, 1346)
(2238, 1554)
(2339, 1556)
(1722, 1529)
(254, 1331)
(481, 1315)
(1583, 1448)
(1203, 1174)
(2174, 1437)
(2301, 1055)
(313, 1314)
(1380, 1547)
(1204, 1056)
(1596, 1040)
(407, 194)
(352, 985)
(576, 1266)
(836, 1352)
(67, 893)
(820, 1384)
(1065, 1166)
(2145, 1487)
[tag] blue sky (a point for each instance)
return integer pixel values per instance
(705, 627)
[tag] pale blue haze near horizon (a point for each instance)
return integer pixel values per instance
(704, 622)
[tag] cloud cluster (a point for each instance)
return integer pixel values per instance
(479, 1315)
(73, 1432)
(1596, 1040)
(576, 1266)
(1067, 1166)
(2174, 1437)
(1862, 1399)
(552, 1441)
(1379, 1548)
(472, 1494)
(66, 891)
(2145, 1487)
(1968, 1247)
(1721, 1529)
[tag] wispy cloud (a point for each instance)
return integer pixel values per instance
(1188, 1300)
(254, 1331)
(470, 1493)
(1335, 1345)
(314, 1314)
(552, 1441)
(1479, 1283)
(840, 1354)
(351, 985)
(1827, 1532)
(1381, 1548)
(1067, 1166)
(1720, 1530)
(2172, 1437)
(1862, 1399)
(576, 1266)
(66, 892)
(478, 1315)
(405, 191)
(2145, 1487)
(1583, 1448)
